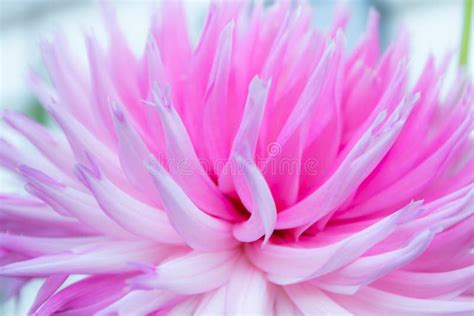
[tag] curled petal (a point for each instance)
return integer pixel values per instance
(185, 166)
(289, 264)
(134, 216)
(85, 297)
(48, 288)
(193, 273)
(114, 258)
(309, 299)
(365, 270)
(200, 230)
(360, 161)
(373, 301)
(141, 302)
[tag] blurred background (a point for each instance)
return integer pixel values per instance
(435, 27)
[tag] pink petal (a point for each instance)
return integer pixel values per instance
(184, 165)
(248, 180)
(445, 285)
(114, 258)
(288, 264)
(132, 215)
(132, 153)
(215, 112)
(140, 303)
(310, 299)
(42, 139)
(373, 301)
(84, 297)
(366, 270)
(192, 273)
(48, 288)
(199, 230)
(71, 203)
(360, 161)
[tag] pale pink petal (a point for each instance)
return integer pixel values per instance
(48, 288)
(132, 215)
(214, 111)
(192, 273)
(199, 230)
(287, 264)
(368, 269)
(248, 291)
(370, 301)
(263, 169)
(444, 285)
(37, 246)
(184, 165)
(284, 305)
(85, 297)
(115, 257)
(70, 202)
(310, 299)
(141, 302)
(42, 139)
(132, 153)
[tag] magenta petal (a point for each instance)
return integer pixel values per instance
(49, 287)
(185, 167)
(85, 297)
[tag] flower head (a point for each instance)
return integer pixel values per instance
(265, 171)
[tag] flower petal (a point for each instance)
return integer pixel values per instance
(85, 297)
(141, 303)
(199, 230)
(370, 301)
(71, 203)
(288, 264)
(184, 165)
(48, 288)
(134, 216)
(94, 258)
(442, 285)
(193, 273)
(360, 161)
(311, 300)
(368, 269)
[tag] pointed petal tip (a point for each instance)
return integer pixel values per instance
(84, 174)
(144, 267)
(151, 44)
(93, 166)
(409, 212)
(161, 99)
(117, 111)
(259, 85)
(39, 176)
(6, 116)
(229, 27)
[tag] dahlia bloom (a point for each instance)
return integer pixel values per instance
(265, 171)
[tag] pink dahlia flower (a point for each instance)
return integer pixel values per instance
(265, 171)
